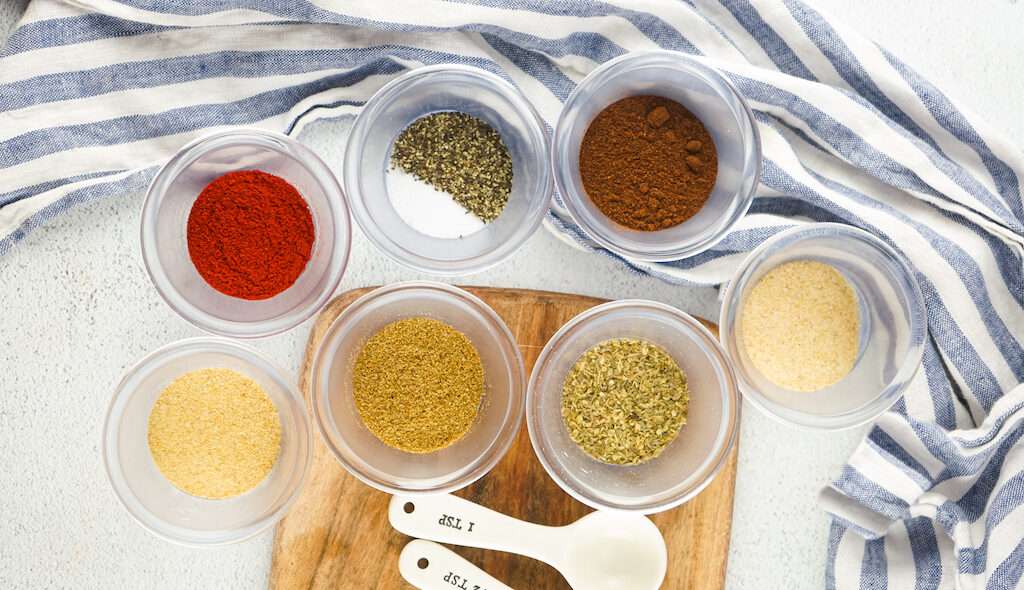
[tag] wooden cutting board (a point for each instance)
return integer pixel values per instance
(337, 535)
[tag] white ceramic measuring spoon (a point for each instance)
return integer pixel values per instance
(601, 551)
(430, 566)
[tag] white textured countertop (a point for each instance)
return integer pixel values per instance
(77, 309)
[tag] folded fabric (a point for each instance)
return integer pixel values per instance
(95, 94)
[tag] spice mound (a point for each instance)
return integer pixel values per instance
(417, 384)
(214, 433)
(250, 234)
(458, 155)
(624, 401)
(800, 326)
(648, 163)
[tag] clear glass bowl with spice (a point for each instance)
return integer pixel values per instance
(825, 326)
(177, 421)
(418, 388)
(245, 233)
(448, 170)
(649, 458)
(656, 155)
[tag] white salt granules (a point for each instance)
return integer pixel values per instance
(428, 210)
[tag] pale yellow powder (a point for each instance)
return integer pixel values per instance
(800, 326)
(214, 433)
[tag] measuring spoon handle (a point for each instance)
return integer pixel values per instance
(429, 566)
(448, 519)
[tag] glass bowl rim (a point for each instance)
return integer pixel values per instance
(730, 421)
(111, 425)
(413, 260)
(496, 448)
(337, 203)
(908, 367)
(574, 202)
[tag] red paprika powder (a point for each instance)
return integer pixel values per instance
(250, 234)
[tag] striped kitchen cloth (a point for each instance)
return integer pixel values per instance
(95, 94)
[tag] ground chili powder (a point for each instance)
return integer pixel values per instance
(648, 163)
(250, 234)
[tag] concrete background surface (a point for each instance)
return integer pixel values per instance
(78, 309)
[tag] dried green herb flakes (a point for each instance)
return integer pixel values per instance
(461, 155)
(624, 401)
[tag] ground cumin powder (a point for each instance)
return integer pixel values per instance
(648, 163)
(214, 433)
(417, 384)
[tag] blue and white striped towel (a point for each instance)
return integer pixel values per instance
(94, 94)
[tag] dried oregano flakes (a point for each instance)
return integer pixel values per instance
(624, 401)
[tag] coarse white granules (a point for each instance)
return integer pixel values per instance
(428, 210)
(800, 326)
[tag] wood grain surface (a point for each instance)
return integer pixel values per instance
(337, 534)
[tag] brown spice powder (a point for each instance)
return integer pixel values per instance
(648, 163)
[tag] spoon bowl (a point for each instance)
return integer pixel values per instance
(616, 550)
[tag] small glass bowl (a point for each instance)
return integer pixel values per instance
(893, 326)
(707, 94)
(689, 463)
(164, 509)
(436, 89)
(389, 469)
(165, 244)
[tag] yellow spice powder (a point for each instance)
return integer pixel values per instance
(417, 384)
(800, 326)
(214, 433)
